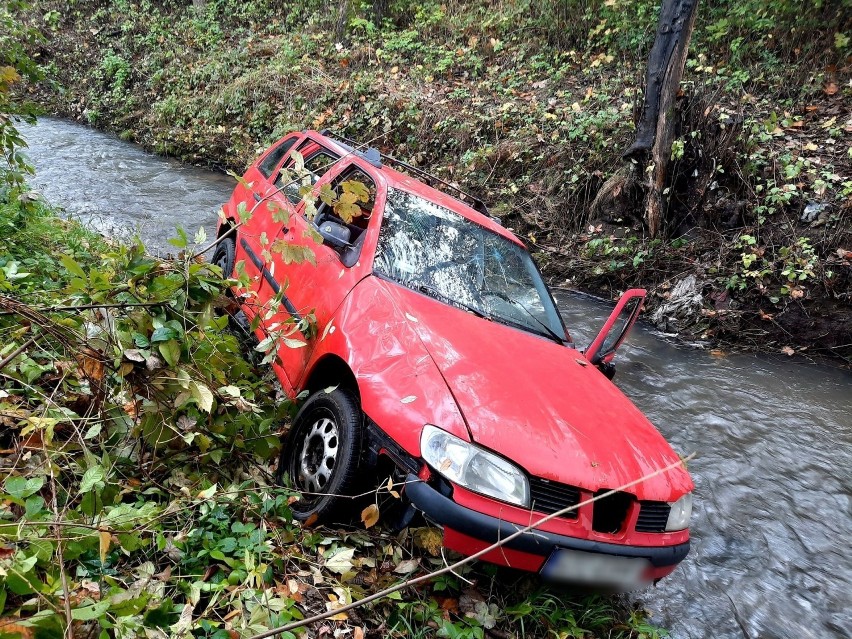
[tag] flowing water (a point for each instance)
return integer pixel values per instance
(772, 528)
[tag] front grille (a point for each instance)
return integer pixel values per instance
(653, 516)
(549, 497)
(609, 513)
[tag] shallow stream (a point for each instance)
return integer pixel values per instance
(772, 529)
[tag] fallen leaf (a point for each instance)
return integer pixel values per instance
(358, 633)
(429, 539)
(12, 628)
(788, 351)
(830, 88)
(105, 540)
(91, 364)
(717, 353)
(340, 560)
(406, 566)
(134, 355)
(310, 521)
(370, 516)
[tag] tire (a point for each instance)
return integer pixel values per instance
(224, 256)
(322, 454)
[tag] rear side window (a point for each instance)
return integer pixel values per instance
(273, 159)
(316, 165)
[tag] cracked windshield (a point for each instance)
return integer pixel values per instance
(430, 249)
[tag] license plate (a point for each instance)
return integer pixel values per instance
(595, 569)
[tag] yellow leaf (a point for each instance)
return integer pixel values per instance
(429, 539)
(356, 188)
(8, 75)
(370, 515)
(105, 540)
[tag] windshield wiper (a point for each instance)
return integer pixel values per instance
(431, 291)
(549, 331)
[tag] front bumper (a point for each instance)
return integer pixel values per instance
(469, 531)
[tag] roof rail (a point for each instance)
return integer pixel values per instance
(370, 154)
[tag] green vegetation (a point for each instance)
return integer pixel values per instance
(139, 487)
(137, 449)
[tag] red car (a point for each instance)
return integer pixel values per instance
(431, 349)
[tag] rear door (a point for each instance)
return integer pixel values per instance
(614, 332)
(249, 205)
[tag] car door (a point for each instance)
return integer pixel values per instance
(250, 205)
(602, 349)
(317, 290)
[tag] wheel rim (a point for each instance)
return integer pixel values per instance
(318, 455)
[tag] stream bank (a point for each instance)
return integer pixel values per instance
(529, 107)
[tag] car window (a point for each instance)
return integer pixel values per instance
(274, 157)
(440, 253)
(316, 165)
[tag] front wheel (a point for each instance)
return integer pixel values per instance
(322, 453)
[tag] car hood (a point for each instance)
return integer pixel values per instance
(541, 404)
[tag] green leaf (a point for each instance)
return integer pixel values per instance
(93, 431)
(181, 240)
(170, 351)
(72, 266)
(34, 506)
(164, 334)
(92, 478)
(203, 396)
(90, 613)
(200, 235)
(21, 488)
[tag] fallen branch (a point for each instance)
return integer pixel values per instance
(17, 352)
(466, 560)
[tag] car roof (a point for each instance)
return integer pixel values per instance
(398, 180)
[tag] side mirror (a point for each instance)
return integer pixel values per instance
(335, 234)
(602, 350)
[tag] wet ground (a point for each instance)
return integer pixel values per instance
(772, 529)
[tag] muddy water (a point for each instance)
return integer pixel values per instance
(772, 529)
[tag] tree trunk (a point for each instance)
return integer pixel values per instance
(655, 130)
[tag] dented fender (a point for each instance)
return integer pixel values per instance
(399, 383)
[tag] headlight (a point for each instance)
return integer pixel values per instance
(680, 513)
(473, 467)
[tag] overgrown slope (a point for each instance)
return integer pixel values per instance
(530, 104)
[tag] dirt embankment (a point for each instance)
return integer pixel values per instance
(758, 252)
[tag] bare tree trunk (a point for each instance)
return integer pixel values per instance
(655, 130)
(342, 17)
